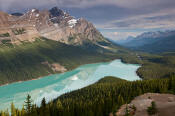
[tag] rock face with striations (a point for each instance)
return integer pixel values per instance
(53, 24)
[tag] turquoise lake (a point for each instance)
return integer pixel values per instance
(53, 86)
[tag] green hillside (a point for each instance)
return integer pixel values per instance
(152, 65)
(24, 62)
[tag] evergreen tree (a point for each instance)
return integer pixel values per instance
(59, 105)
(43, 103)
(28, 104)
(13, 110)
(173, 84)
(120, 100)
(22, 111)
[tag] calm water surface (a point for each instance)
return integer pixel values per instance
(52, 86)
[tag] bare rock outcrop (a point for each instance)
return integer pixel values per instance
(56, 67)
(54, 24)
(165, 103)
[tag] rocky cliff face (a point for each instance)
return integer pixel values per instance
(53, 24)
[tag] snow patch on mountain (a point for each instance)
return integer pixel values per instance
(72, 23)
(56, 25)
(37, 15)
(33, 10)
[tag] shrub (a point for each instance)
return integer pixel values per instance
(5, 35)
(152, 109)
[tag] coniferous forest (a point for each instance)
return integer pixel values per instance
(99, 99)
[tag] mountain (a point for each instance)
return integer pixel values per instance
(39, 43)
(154, 42)
(54, 24)
(128, 39)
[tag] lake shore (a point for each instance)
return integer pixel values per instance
(50, 74)
(53, 86)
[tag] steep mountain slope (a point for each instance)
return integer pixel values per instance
(153, 42)
(43, 57)
(53, 24)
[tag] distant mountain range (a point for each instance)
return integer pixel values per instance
(154, 42)
(123, 41)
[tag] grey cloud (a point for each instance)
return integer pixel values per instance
(9, 4)
(164, 17)
(108, 14)
(155, 22)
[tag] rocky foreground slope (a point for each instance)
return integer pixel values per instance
(165, 105)
(54, 24)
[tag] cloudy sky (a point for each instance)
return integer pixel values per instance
(116, 19)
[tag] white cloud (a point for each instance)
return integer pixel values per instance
(119, 35)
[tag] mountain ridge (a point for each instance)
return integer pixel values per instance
(154, 42)
(54, 24)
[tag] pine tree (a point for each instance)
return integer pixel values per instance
(22, 111)
(173, 83)
(44, 110)
(59, 105)
(34, 111)
(28, 104)
(13, 110)
(120, 100)
(43, 103)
